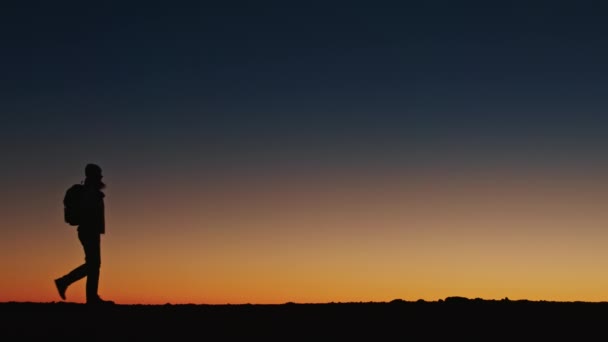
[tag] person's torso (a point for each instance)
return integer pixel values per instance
(93, 219)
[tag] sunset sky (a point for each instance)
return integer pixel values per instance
(287, 151)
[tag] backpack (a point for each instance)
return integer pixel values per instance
(72, 204)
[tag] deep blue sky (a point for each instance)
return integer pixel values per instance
(482, 78)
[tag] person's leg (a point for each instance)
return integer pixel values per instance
(92, 252)
(62, 283)
(76, 274)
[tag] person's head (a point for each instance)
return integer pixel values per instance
(93, 176)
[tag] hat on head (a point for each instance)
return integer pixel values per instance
(92, 170)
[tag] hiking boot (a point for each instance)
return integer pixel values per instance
(61, 288)
(99, 301)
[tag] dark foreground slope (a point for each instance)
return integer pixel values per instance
(454, 317)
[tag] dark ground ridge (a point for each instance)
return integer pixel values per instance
(452, 317)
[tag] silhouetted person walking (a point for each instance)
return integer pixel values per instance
(91, 226)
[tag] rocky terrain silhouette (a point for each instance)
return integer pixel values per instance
(453, 317)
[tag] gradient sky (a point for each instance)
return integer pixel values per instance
(268, 152)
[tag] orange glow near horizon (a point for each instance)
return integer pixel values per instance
(335, 239)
